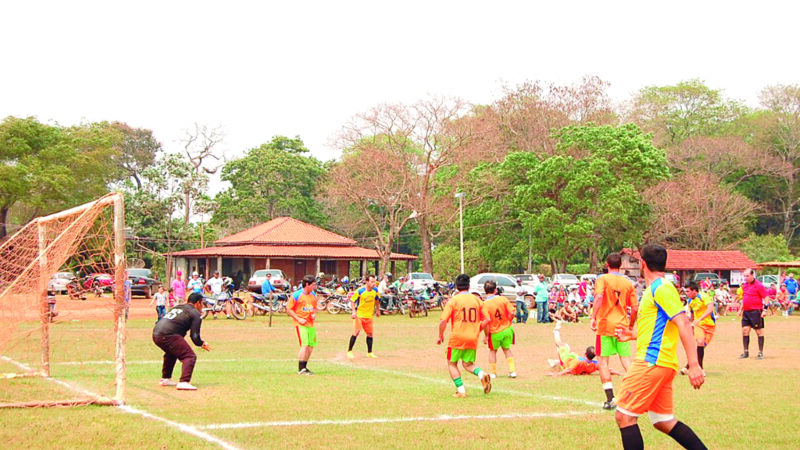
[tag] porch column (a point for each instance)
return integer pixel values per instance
(408, 267)
(219, 265)
(393, 269)
(268, 261)
(363, 268)
(208, 264)
(319, 264)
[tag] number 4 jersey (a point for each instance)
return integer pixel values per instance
(464, 312)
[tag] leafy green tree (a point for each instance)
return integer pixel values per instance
(766, 247)
(137, 149)
(276, 179)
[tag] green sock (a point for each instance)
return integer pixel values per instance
(477, 371)
(458, 382)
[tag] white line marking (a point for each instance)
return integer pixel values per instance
(129, 409)
(440, 418)
(159, 361)
(447, 382)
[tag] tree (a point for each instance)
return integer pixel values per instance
(689, 108)
(279, 178)
(48, 168)
(200, 149)
(694, 211)
(766, 247)
(137, 149)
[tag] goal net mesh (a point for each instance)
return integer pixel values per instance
(63, 307)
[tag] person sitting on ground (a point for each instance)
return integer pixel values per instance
(774, 305)
(570, 363)
(566, 313)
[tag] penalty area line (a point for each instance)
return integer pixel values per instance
(189, 429)
(160, 361)
(439, 418)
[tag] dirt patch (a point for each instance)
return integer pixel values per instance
(100, 308)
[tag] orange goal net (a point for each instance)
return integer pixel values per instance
(63, 308)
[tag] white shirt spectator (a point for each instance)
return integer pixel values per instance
(522, 291)
(382, 286)
(215, 284)
(161, 298)
(195, 285)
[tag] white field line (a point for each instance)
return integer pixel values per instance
(159, 361)
(131, 410)
(440, 418)
(448, 382)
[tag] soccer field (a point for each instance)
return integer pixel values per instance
(251, 397)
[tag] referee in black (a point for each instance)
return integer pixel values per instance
(168, 335)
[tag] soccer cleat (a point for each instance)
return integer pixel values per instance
(493, 376)
(486, 381)
(350, 355)
(684, 371)
(760, 355)
(305, 371)
(460, 395)
(372, 355)
(185, 386)
(609, 405)
(744, 355)
(553, 363)
(167, 382)
(229, 317)
(513, 375)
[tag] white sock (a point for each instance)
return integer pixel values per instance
(461, 389)
(608, 385)
(480, 374)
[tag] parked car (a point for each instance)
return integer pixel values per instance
(143, 282)
(504, 281)
(421, 279)
(715, 279)
(589, 277)
(766, 280)
(59, 282)
(527, 279)
(278, 280)
(93, 281)
(565, 279)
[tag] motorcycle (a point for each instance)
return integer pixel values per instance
(262, 306)
(216, 303)
(337, 304)
(391, 303)
(416, 304)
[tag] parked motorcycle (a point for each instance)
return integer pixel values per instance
(216, 304)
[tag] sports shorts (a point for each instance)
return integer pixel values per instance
(467, 355)
(565, 354)
(362, 323)
(610, 346)
(307, 336)
(703, 334)
(752, 318)
(502, 339)
(646, 388)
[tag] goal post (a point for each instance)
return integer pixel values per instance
(75, 260)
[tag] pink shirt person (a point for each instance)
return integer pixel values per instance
(753, 295)
(179, 287)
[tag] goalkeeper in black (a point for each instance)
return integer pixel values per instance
(168, 335)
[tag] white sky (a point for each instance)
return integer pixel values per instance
(305, 68)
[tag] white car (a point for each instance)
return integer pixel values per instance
(421, 280)
(59, 282)
(565, 279)
(589, 277)
(278, 280)
(527, 279)
(505, 281)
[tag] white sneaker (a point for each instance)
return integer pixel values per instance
(513, 375)
(167, 382)
(553, 362)
(493, 376)
(185, 386)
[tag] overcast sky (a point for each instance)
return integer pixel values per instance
(305, 68)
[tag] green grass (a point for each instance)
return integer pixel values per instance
(250, 376)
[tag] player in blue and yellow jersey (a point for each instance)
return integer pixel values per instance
(364, 302)
(647, 387)
(302, 308)
(701, 307)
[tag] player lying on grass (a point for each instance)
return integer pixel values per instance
(570, 363)
(467, 316)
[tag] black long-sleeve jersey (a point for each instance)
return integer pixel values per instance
(179, 320)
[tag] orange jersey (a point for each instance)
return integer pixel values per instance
(303, 305)
(618, 294)
(465, 312)
(501, 313)
(580, 366)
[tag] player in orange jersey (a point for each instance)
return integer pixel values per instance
(615, 294)
(302, 308)
(467, 316)
(570, 363)
(499, 332)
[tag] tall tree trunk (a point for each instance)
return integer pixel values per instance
(3, 218)
(186, 208)
(788, 212)
(427, 254)
(593, 261)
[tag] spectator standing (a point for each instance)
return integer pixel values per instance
(542, 314)
(752, 312)
(195, 285)
(522, 304)
(179, 288)
(791, 289)
(160, 299)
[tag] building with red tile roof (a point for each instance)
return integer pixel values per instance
(295, 247)
(728, 264)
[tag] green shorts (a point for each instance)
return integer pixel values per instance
(565, 353)
(467, 355)
(501, 339)
(610, 346)
(307, 336)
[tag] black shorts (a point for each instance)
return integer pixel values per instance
(752, 318)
